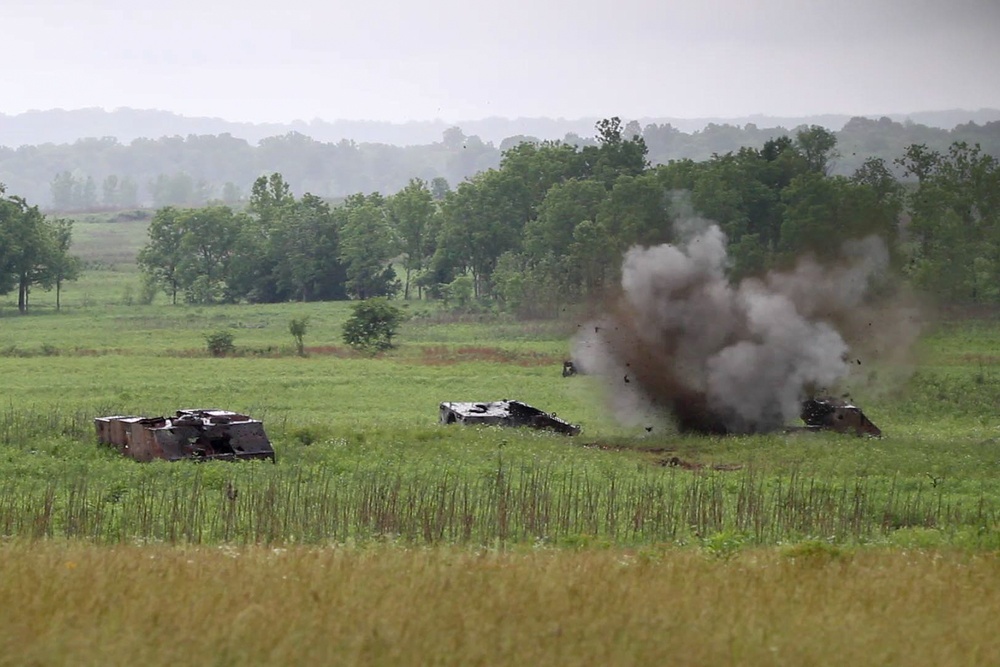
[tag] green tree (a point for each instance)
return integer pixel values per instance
(411, 211)
(220, 343)
(635, 211)
(955, 226)
(372, 325)
(160, 258)
(439, 188)
(564, 207)
(821, 212)
(460, 290)
(34, 251)
(367, 246)
(207, 247)
(27, 248)
(818, 146)
(551, 238)
(62, 188)
(539, 166)
(298, 326)
(62, 265)
(481, 220)
(268, 195)
(616, 154)
(305, 251)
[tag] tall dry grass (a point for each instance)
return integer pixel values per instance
(513, 504)
(77, 603)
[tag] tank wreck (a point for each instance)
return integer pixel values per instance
(504, 413)
(839, 415)
(190, 434)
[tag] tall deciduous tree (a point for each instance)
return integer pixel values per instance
(161, 257)
(818, 146)
(207, 248)
(565, 206)
(367, 246)
(62, 265)
(821, 212)
(410, 213)
(31, 241)
(955, 224)
(34, 251)
(305, 245)
(481, 220)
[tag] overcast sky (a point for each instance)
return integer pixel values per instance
(273, 60)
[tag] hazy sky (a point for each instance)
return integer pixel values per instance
(268, 60)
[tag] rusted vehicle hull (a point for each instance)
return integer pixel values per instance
(190, 434)
(504, 413)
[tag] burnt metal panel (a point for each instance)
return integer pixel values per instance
(190, 434)
(837, 415)
(503, 413)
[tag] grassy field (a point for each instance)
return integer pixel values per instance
(804, 605)
(381, 536)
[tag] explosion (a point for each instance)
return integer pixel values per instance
(682, 341)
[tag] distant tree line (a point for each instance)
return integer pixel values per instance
(34, 250)
(278, 249)
(102, 173)
(551, 222)
(954, 231)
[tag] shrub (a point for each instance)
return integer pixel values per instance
(461, 290)
(220, 343)
(372, 325)
(297, 327)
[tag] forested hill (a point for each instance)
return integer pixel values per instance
(209, 164)
(59, 126)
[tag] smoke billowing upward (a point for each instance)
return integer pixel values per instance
(682, 341)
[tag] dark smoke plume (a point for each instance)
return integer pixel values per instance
(682, 341)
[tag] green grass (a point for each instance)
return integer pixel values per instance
(358, 437)
(382, 536)
(110, 239)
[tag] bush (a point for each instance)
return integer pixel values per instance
(297, 327)
(220, 343)
(372, 325)
(460, 291)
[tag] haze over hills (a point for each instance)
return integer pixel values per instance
(59, 126)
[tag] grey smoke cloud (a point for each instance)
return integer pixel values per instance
(683, 342)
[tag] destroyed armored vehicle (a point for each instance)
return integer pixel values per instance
(839, 415)
(190, 434)
(504, 413)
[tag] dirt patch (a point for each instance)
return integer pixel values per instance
(331, 351)
(661, 456)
